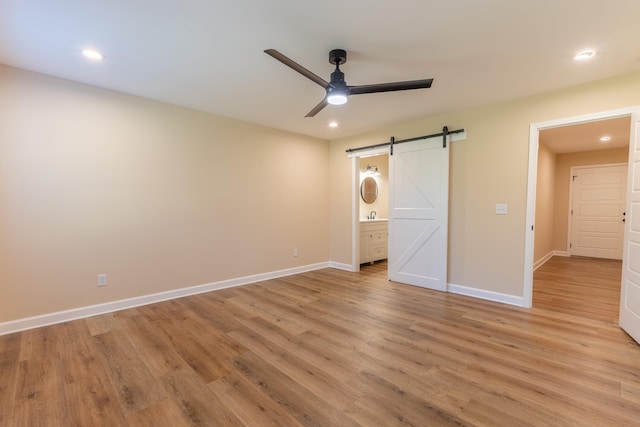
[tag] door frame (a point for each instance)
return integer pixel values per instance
(534, 136)
(355, 201)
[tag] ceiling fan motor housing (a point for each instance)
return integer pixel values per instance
(337, 83)
(338, 56)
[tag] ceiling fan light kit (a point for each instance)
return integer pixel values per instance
(336, 96)
(337, 90)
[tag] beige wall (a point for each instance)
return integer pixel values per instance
(564, 163)
(156, 196)
(161, 197)
(545, 196)
(486, 251)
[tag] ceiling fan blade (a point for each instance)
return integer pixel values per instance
(390, 87)
(317, 108)
(297, 67)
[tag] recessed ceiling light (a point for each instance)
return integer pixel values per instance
(333, 124)
(93, 54)
(605, 138)
(584, 55)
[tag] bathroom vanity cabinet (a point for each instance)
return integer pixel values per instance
(373, 240)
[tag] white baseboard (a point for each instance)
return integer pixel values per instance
(547, 257)
(542, 260)
(94, 310)
(488, 295)
(341, 266)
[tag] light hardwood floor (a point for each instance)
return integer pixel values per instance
(325, 348)
(587, 287)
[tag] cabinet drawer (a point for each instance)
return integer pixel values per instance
(379, 237)
(379, 252)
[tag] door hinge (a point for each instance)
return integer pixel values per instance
(570, 245)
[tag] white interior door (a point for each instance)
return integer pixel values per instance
(630, 291)
(418, 213)
(597, 209)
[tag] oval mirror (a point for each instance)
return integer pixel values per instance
(369, 190)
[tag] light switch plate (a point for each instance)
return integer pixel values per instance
(501, 208)
(102, 280)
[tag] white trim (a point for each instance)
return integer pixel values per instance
(369, 152)
(542, 260)
(585, 118)
(530, 216)
(355, 201)
(458, 136)
(570, 211)
(94, 310)
(355, 212)
(486, 295)
(548, 256)
(534, 131)
(342, 266)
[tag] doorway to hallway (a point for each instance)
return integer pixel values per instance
(575, 215)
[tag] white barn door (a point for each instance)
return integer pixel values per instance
(418, 213)
(630, 291)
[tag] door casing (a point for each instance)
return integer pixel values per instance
(534, 135)
(355, 201)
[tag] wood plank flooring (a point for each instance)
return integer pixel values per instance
(587, 287)
(324, 348)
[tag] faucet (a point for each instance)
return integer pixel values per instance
(372, 215)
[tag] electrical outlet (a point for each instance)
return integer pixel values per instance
(295, 252)
(102, 280)
(501, 209)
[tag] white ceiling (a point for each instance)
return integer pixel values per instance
(208, 55)
(586, 136)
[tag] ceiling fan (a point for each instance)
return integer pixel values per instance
(337, 89)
